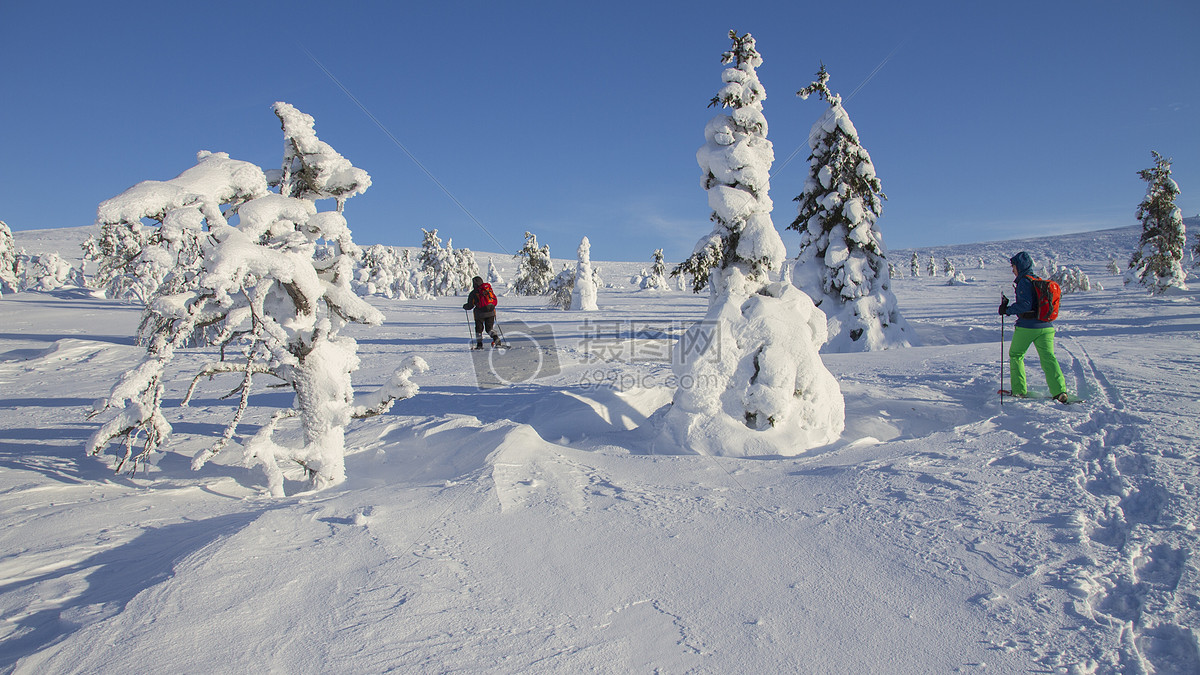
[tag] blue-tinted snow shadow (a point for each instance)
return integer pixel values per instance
(114, 577)
(55, 337)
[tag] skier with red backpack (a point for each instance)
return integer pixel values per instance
(483, 300)
(1036, 307)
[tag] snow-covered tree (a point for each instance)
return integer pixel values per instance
(583, 291)
(493, 274)
(535, 271)
(47, 272)
(1071, 279)
(383, 271)
(8, 261)
(980, 264)
(560, 289)
(751, 381)
(437, 265)
(466, 267)
(1114, 267)
(276, 290)
(842, 260)
(657, 277)
(1157, 264)
(915, 265)
(932, 266)
(893, 271)
(948, 268)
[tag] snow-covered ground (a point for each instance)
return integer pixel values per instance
(535, 527)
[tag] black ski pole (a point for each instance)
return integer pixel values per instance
(470, 328)
(1001, 359)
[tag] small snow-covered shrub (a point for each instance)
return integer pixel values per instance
(1071, 279)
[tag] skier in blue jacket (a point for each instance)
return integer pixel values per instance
(1030, 331)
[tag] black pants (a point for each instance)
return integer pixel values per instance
(487, 323)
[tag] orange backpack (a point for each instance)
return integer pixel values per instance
(486, 297)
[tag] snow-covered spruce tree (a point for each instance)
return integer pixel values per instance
(656, 280)
(980, 265)
(560, 289)
(465, 267)
(842, 262)
(1157, 264)
(915, 265)
(948, 268)
(1114, 267)
(493, 274)
(932, 266)
(8, 261)
(893, 271)
(583, 291)
(751, 381)
(276, 290)
(535, 271)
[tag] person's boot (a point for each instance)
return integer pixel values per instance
(478, 343)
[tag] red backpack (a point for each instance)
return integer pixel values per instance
(486, 297)
(1046, 296)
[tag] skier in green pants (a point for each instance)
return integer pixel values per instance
(1030, 331)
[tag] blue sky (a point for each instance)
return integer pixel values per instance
(985, 121)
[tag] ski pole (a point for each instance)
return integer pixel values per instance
(1001, 359)
(470, 327)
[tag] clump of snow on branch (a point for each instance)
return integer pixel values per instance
(150, 234)
(274, 291)
(842, 260)
(750, 379)
(1157, 264)
(583, 291)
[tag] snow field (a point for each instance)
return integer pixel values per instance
(537, 528)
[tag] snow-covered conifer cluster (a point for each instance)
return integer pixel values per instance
(384, 271)
(535, 272)
(1157, 264)
(274, 291)
(445, 270)
(751, 381)
(842, 258)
